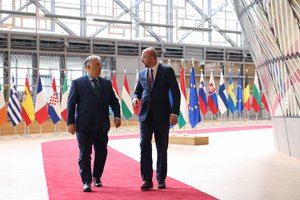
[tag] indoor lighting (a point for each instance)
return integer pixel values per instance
(111, 21)
(158, 25)
(11, 12)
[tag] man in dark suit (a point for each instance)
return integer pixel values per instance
(88, 115)
(155, 115)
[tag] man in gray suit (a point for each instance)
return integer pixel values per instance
(155, 115)
(88, 115)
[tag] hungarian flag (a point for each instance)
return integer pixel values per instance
(202, 95)
(115, 86)
(212, 99)
(247, 94)
(64, 99)
(183, 114)
(40, 110)
(127, 108)
(256, 100)
(54, 108)
(3, 114)
(264, 101)
(137, 108)
(27, 105)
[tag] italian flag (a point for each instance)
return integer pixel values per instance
(183, 115)
(256, 100)
(3, 115)
(127, 108)
(64, 99)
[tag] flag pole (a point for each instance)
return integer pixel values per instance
(24, 129)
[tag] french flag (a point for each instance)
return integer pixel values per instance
(40, 110)
(53, 106)
(212, 96)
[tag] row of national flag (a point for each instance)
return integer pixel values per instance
(221, 101)
(29, 112)
(193, 102)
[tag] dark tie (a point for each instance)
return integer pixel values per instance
(151, 79)
(96, 87)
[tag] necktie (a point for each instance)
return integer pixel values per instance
(151, 79)
(96, 87)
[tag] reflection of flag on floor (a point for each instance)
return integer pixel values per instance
(3, 114)
(222, 97)
(13, 108)
(64, 99)
(194, 112)
(202, 95)
(183, 115)
(231, 96)
(41, 112)
(127, 108)
(256, 101)
(212, 100)
(27, 105)
(247, 94)
(54, 108)
(239, 94)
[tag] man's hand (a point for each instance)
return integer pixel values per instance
(71, 128)
(117, 122)
(135, 102)
(173, 119)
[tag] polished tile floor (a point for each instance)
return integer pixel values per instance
(238, 165)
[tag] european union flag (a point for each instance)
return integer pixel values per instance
(239, 95)
(194, 112)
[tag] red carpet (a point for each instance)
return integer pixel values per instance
(121, 178)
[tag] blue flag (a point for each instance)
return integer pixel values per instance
(13, 107)
(231, 96)
(194, 112)
(239, 95)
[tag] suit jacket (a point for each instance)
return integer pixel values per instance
(88, 111)
(157, 99)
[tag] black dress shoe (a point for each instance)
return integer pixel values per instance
(161, 185)
(147, 185)
(87, 187)
(97, 183)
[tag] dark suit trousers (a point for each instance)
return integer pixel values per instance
(86, 141)
(161, 135)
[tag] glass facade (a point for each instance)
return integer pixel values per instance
(204, 22)
(272, 30)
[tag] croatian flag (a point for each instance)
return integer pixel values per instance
(53, 106)
(212, 96)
